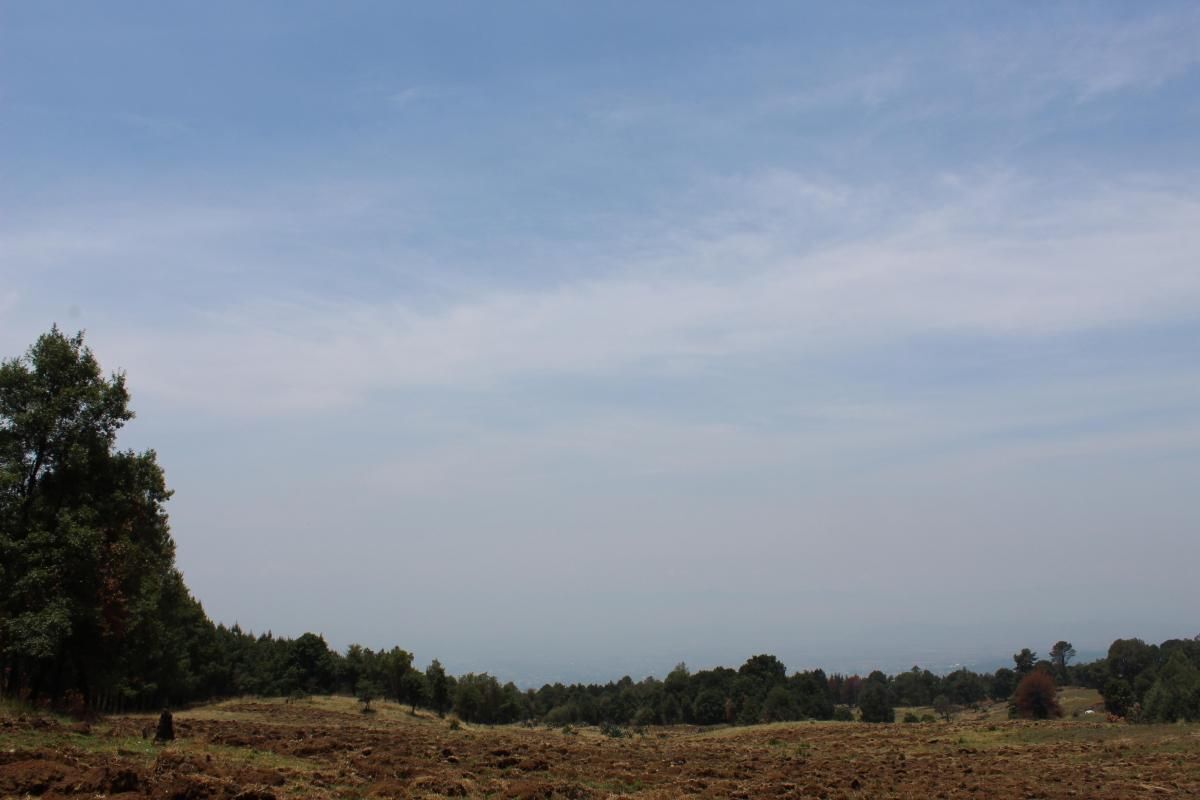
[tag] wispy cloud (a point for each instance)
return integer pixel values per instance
(154, 125)
(870, 88)
(1085, 57)
(992, 257)
(961, 433)
(410, 96)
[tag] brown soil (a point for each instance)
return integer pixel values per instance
(262, 750)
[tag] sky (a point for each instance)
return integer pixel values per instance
(565, 340)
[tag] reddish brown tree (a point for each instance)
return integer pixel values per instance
(1036, 696)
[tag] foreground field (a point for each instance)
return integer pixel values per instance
(324, 748)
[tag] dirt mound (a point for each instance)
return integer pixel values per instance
(443, 787)
(546, 790)
(34, 776)
(41, 776)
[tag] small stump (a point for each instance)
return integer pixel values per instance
(166, 727)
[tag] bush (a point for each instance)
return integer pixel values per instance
(368, 691)
(843, 714)
(910, 717)
(612, 731)
(1037, 696)
(943, 706)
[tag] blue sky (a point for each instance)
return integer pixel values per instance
(568, 341)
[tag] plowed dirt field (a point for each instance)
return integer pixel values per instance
(325, 748)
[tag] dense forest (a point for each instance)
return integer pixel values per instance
(95, 616)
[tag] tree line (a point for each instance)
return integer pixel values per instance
(95, 615)
(1150, 683)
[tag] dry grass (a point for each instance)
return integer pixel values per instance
(325, 748)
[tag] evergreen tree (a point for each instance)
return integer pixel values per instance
(89, 595)
(875, 703)
(439, 687)
(1024, 662)
(709, 708)
(1175, 694)
(415, 689)
(1060, 656)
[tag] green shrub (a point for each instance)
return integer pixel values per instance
(612, 730)
(368, 691)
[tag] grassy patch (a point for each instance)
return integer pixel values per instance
(1076, 699)
(243, 756)
(1138, 739)
(748, 731)
(97, 742)
(16, 708)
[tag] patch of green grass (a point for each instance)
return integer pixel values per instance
(247, 756)
(12, 708)
(97, 742)
(1075, 699)
(140, 749)
(1137, 738)
(752, 731)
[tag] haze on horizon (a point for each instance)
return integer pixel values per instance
(568, 342)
